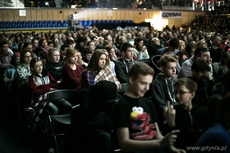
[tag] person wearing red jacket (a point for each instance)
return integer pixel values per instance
(41, 82)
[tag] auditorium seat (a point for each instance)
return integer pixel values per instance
(93, 22)
(83, 22)
(43, 24)
(88, 23)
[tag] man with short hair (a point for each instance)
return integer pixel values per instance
(162, 87)
(200, 75)
(135, 118)
(154, 46)
(200, 53)
(92, 45)
(215, 49)
(124, 63)
(5, 59)
(172, 46)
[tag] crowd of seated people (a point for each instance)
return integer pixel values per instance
(211, 23)
(222, 8)
(192, 77)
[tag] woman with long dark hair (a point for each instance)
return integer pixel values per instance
(98, 69)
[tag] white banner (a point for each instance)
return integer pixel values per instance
(171, 14)
(22, 12)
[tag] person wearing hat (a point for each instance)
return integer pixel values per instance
(134, 116)
(94, 128)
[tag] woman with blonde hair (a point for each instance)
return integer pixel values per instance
(98, 69)
(111, 62)
(182, 54)
(72, 71)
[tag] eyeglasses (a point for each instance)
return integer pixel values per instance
(181, 92)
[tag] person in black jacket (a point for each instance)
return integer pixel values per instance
(154, 46)
(124, 63)
(54, 64)
(92, 123)
(205, 83)
(219, 89)
(191, 119)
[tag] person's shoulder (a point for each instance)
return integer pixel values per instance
(65, 68)
(174, 78)
(61, 63)
(87, 73)
(122, 103)
(159, 78)
(216, 133)
(19, 66)
(80, 67)
(144, 99)
(112, 62)
(119, 60)
(84, 72)
(122, 99)
(187, 63)
(176, 51)
(161, 51)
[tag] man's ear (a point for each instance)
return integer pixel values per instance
(193, 95)
(130, 80)
(161, 68)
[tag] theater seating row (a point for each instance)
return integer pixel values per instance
(106, 22)
(33, 24)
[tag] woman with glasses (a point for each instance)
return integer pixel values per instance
(23, 70)
(192, 120)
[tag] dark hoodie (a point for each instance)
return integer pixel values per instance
(162, 91)
(203, 92)
(55, 69)
(219, 89)
(191, 123)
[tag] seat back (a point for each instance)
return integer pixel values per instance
(62, 94)
(56, 95)
(24, 94)
(25, 98)
(156, 65)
